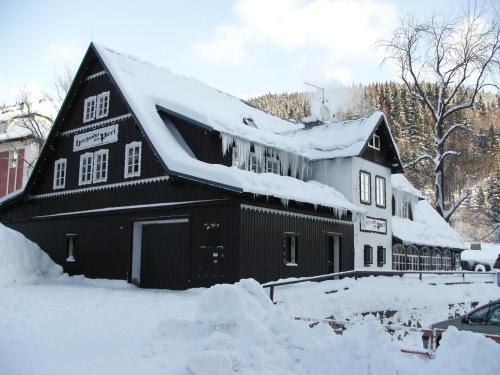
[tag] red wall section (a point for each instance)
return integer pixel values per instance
(4, 170)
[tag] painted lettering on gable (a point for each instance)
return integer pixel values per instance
(95, 138)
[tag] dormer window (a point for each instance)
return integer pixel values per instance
(406, 212)
(89, 109)
(375, 142)
(249, 122)
(102, 105)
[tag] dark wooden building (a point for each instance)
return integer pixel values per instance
(134, 185)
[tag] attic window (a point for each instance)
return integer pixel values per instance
(89, 109)
(375, 142)
(249, 122)
(102, 105)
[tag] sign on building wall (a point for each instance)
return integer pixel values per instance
(372, 224)
(95, 138)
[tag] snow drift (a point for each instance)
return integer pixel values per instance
(22, 261)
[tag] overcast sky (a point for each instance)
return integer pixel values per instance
(244, 47)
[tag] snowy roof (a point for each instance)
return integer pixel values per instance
(147, 87)
(427, 228)
(401, 183)
(336, 140)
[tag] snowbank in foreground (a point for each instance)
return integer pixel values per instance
(22, 261)
(238, 330)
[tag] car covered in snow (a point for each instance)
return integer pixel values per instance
(484, 319)
(482, 259)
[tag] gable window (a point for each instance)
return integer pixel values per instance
(380, 191)
(291, 249)
(374, 142)
(59, 174)
(365, 187)
(368, 255)
(381, 254)
(101, 165)
(102, 105)
(133, 154)
(86, 165)
(89, 109)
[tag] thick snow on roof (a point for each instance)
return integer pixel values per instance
(401, 183)
(146, 86)
(336, 140)
(427, 228)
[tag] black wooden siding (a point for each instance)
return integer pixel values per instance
(262, 246)
(386, 156)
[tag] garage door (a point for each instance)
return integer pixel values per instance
(164, 255)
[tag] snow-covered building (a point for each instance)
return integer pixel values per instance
(166, 182)
(18, 146)
(423, 240)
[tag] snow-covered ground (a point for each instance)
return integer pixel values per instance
(55, 324)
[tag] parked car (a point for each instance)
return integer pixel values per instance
(484, 319)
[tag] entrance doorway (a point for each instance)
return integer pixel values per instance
(334, 250)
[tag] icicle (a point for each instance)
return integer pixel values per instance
(227, 142)
(259, 153)
(285, 162)
(284, 202)
(243, 149)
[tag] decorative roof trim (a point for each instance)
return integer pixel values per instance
(293, 214)
(95, 75)
(97, 124)
(100, 187)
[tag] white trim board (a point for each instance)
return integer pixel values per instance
(100, 187)
(294, 214)
(137, 244)
(135, 207)
(97, 124)
(95, 75)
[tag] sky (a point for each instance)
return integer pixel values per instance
(244, 47)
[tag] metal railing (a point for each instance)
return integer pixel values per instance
(366, 273)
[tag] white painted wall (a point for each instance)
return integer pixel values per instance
(343, 175)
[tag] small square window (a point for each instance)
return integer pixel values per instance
(59, 174)
(89, 109)
(291, 249)
(368, 255)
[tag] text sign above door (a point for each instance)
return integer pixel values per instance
(95, 138)
(372, 224)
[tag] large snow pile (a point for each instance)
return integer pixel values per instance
(21, 260)
(400, 182)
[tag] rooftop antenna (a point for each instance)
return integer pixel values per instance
(324, 110)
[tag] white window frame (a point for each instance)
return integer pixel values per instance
(103, 171)
(89, 109)
(375, 142)
(293, 259)
(365, 189)
(413, 258)
(272, 164)
(380, 188)
(254, 164)
(85, 177)
(398, 257)
(59, 174)
(405, 210)
(129, 146)
(102, 110)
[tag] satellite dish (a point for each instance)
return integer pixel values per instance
(325, 112)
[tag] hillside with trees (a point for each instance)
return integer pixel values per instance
(476, 170)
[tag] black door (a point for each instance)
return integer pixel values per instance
(211, 255)
(334, 250)
(164, 256)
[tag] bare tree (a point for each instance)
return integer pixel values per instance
(461, 56)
